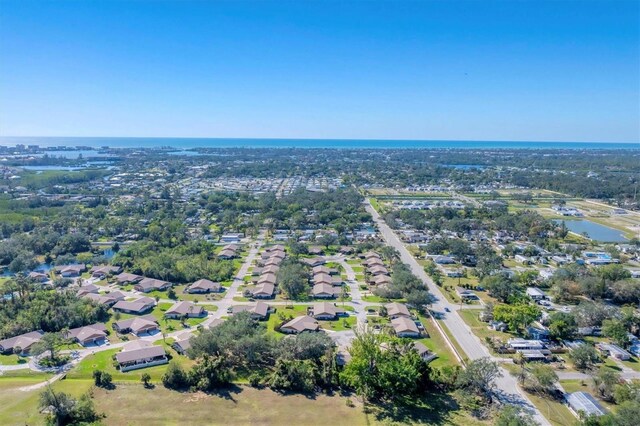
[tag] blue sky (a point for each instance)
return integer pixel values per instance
(476, 70)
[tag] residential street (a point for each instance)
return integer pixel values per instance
(470, 344)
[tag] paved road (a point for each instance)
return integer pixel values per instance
(470, 344)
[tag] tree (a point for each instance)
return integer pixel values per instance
(328, 240)
(517, 316)
(293, 279)
(562, 325)
(297, 375)
(102, 379)
(146, 380)
(175, 377)
(605, 382)
(392, 373)
(613, 272)
(480, 376)
(49, 342)
(584, 356)
(420, 299)
(542, 378)
(211, 372)
(514, 415)
(616, 331)
(487, 261)
(501, 287)
(63, 409)
(59, 404)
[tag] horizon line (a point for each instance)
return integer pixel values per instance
(319, 139)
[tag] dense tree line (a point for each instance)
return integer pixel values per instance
(45, 310)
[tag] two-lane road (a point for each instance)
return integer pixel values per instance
(470, 343)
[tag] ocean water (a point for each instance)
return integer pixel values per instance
(187, 143)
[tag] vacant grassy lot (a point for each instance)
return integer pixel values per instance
(554, 411)
(132, 404)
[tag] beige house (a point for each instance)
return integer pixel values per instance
(300, 324)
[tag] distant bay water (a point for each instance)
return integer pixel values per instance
(188, 143)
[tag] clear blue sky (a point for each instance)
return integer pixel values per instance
(477, 70)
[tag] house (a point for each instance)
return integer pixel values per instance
(140, 354)
(38, 277)
(536, 333)
(373, 261)
(70, 271)
(323, 291)
(300, 324)
(442, 260)
(147, 285)
(204, 286)
(267, 278)
(107, 299)
(182, 343)
(397, 310)
(22, 343)
(86, 289)
(524, 344)
(346, 250)
(136, 307)
(382, 280)
(314, 261)
(405, 327)
(264, 291)
(185, 309)
(424, 352)
(277, 247)
(614, 351)
(378, 270)
(94, 334)
(323, 270)
(232, 237)
(325, 311)
(146, 324)
(315, 250)
(125, 278)
(102, 272)
(227, 254)
(258, 311)
(498, 325)
(584, 404)
(465, 294)
(323, 278)
(454, 273)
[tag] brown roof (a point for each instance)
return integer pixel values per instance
(303, 323)
(403, 325)
(88, 332)
(395, 309)
(266, 289)
(204, 285)
(137, 305)
(184, 308)
(139, 349)
(137, 323)
(323, 289)
(128, 278)
(326, 308)
(151, 284)
(268, 277)
(23, 341)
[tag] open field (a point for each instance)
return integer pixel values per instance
(556, 412)
(130, 403)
